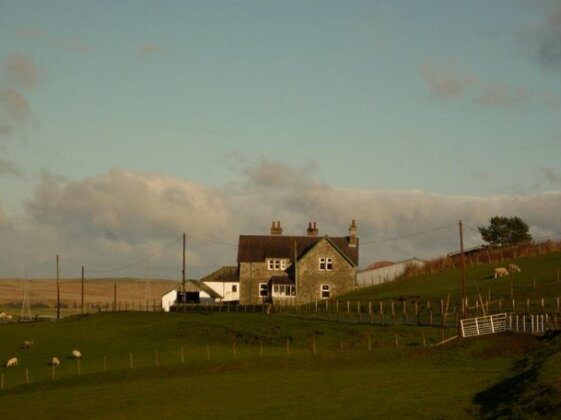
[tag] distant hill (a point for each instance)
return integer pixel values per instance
(95, 290)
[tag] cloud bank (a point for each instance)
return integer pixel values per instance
(110, 223)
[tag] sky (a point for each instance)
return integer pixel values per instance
(125, 124)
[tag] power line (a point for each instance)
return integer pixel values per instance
(211, 241)
(138, 261)
(407, 236)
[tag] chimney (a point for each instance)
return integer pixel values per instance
(276, 228)
(352, 234)
(312, 229)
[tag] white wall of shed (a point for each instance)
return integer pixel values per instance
(384, 274)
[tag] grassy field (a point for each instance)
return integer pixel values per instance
(290, 364)
(540, 278)
(248, 365)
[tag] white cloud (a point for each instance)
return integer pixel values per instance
(448, 80)
(116, 219)
(7, 167)
(21, 71)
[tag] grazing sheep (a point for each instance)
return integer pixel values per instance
(12, 362)
(76, 354)
(514, 268)
(500, 272)
(27, 344)
(55, 361)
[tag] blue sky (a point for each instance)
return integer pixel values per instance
(455, 99)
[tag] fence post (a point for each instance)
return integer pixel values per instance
(429, 306)
(337, 306)
(314, 344)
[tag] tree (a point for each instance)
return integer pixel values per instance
(504, 231)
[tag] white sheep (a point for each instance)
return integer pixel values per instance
(27, 344)
(12, 362)
(76, 354)
(514, 268)
(500, 272)
(55, 361)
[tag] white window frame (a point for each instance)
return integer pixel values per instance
(284, 290)
(325, 264)
(276, 264)
(234, 288)
(325, 288)
(263, 287)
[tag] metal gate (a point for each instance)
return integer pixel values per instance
(472, 327)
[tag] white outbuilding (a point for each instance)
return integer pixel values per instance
(385, 271)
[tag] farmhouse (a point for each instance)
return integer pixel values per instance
(292, 269)
(384, 271)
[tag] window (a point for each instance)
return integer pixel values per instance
(263, 290)
(284, 290)
(234, 287)
(276, 264)
(325, 264)
(325, 291)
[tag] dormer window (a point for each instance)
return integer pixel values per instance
(325, 264)
(276, 264)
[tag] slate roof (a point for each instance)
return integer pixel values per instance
(197, 286)
(281, 280)
(224, 274)
(257, 248)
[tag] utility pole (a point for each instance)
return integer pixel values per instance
(296, 279)
(82, 292)
(183, 274)
(57, 289)
(463, 270)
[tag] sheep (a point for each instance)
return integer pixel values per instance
(27, 344)
(514, 268)
(12, 362)
(500, 272)
(55, 361)
(76, 354)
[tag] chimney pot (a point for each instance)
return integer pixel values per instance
(276, 228)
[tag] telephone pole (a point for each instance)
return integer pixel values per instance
(463, 270)
(183, 274)
(82, 292)
(57, 289)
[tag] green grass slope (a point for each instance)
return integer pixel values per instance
(246, 365)
(539, 279)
